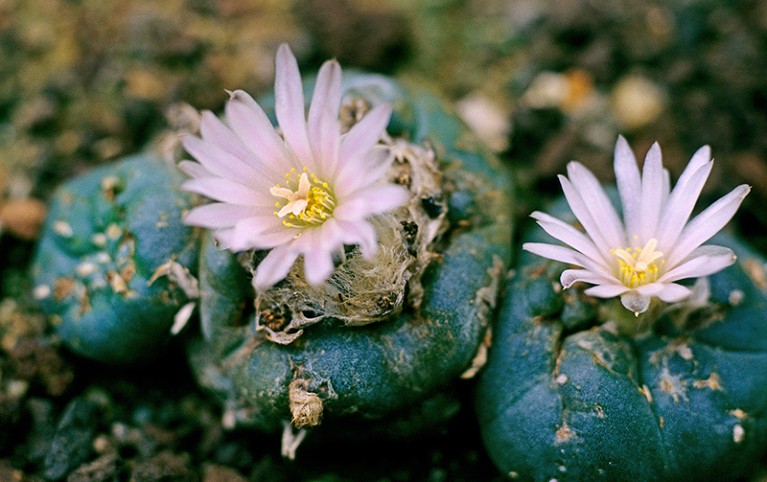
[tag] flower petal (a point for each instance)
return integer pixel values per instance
(323, 125)
(360, 233)
(260, 232)
(652, 194)
(707, 223)
(629, 185)
(703, 261)
(581, 211)
(681, 202)
(256, 132)
(318, 266)
(571, 276)
(217, 215)
(567, 256)
(214, 131)
(635, 302)
(650, 289)
(363, 136)
(290, 108)
(355, 174)
(373, 200)
(221, 163)
(606, 290)
(227, 191)
(597, 203)
(701, 158)
(274, 267)
(666, 189)
(673, 293)
(562, 231)
(193, 169)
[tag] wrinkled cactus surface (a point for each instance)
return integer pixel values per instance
(563, 397)
(368, 372)
(103, 266)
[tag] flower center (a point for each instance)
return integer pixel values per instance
(639, 266)
(308, 201)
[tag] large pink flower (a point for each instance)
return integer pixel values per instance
(643, 255)
(307, 192)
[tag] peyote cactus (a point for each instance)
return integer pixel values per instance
(381, 336)
(569, 395)
(112, 263)
(270, 370)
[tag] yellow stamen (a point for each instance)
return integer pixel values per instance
(310, 203)
(639, 266)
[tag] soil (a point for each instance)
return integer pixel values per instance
(84, 82)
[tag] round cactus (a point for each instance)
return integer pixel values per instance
(369, 371)
(566, 397)
(111, 263)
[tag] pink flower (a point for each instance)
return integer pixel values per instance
(653, 246)
(307, 192)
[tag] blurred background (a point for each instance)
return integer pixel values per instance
(85, 81)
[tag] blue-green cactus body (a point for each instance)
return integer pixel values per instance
(106, 235)
(563, 398)
(371, 371)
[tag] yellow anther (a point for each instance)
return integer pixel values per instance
(309, 203)
(638, 266)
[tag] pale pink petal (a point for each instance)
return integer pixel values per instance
(318, 266)
(245, 241)
(652, 193)
(248, 120)
(324, 127)
(242, 235)
(214, 131)
(227, 191)
(217, 215)
(597, 203)
(274, 267)
(635, 302)
(224, 236)
(703, 261)
(702, 157)
(194, 169)
(290, 108)
(363, 135)
(581, 212)
(565, 255)
(680, 205)
(570, 236)
(629, 185)
(373, 200)
(554, 252)
(666, 189)
(362, 172)
(362, 234)
(221, 163)
(262, 232)
(606, 290)
(673, 293)
(650, 289)
(707, 223)
(570, 276)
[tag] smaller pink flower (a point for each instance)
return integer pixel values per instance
(307, 192)
(653, 246)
